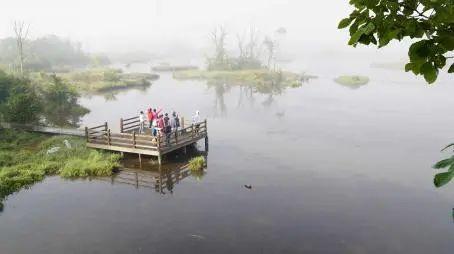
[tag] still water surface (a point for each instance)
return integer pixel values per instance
(332, 169)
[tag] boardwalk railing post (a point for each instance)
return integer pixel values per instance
(86, 133)
(108, 137)
(105, 126)
(121, 125)
(182, 122)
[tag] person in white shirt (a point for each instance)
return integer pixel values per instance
(141, 122)
(196, 120)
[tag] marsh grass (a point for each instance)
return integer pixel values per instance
(24, 159)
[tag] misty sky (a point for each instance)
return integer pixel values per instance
(103, 25)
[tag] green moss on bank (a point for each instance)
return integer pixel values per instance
(25, 159)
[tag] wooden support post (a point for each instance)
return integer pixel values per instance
(137, 179)
(140, 160)
(86, 134)
(121, 125)
(134, 139)
(105, 126)
(160, 159)
(206, 143)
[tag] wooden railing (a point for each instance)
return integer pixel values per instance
(129, 124)
(97, 132)
(102, 135)
(182, 136)
(133, 123)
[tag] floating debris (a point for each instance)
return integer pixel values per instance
(197, 237)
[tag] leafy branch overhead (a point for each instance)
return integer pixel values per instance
(429, 22)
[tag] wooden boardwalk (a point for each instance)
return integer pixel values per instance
(129, 141)
(43, 129)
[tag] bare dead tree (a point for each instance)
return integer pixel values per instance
(252, 46)
(218, 37)
(270, 46)
(241, 45)
(21, 31)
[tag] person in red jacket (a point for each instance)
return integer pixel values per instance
(161, 124)
(150, 117)
(154, 121)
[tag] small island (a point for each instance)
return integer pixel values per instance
(251, 67)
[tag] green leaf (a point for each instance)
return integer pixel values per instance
(369, 28)
(430, 72)
(443, 178)
(355, 37)
(444, 163)
(451, 69)
(387, 37)
(447, 41)
(419, 50)
(408, 67)
(344, 23)
(364, 30)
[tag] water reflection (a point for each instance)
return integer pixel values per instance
(161, 178)
(247, 92)
(220, 89)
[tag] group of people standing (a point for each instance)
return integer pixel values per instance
(161, 124)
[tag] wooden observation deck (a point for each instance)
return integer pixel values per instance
(128, 140)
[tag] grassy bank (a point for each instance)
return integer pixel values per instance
(352, 81)
(101, 80)
(26, 158)
(257, 78)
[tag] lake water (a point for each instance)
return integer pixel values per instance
(332, 169)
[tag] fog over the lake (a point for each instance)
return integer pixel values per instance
(153, 25)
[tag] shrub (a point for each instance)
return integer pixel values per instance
(197, 163)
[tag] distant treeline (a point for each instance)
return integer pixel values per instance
(48, 53)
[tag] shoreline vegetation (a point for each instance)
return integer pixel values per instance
(100, 80)
(26, 158)
(259, 78)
